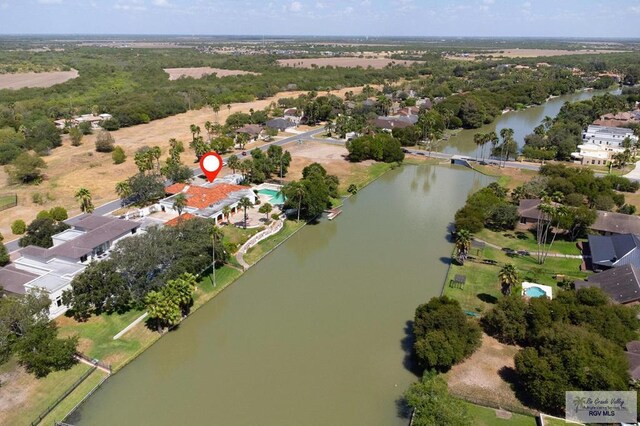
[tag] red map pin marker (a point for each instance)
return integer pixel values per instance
(211, 164)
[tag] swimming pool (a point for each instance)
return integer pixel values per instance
(276, 196)
(535, 292)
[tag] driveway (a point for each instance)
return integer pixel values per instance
(635, 173)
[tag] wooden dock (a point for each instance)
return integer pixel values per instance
(333, 213)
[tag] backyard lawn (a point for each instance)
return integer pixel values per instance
(482, 287)
(484, 416)
(526, 240)
(258, 251)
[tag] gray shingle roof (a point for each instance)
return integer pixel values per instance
(621, 284)
(616, 223)
(13, 280)
(615, 250)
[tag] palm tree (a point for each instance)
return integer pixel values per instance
(507, 137)
(180, 203)
(295, 191)
(123, 189)
(266, 208)
(245, 204)
(233, 162)
(226, 212)
(216, 109)
(463, 244)
(478, 140)
(229, 108)
(508, 276)
(84, 198)
(195, 130)
(207, 127)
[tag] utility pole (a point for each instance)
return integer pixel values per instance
(213, 265)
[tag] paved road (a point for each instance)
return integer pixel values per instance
(116, 204)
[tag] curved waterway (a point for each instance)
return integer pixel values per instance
(313, 334)
(522, 122)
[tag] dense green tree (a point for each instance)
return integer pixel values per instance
(97, 289)
(380, 147)
(59, 214)
(563, 359)
(145, 188)
(432, 404)
(40, 231)
(443, 334)
(26, 168)
(18, 314)
(40, 351)
(42, 135)
(507, 320)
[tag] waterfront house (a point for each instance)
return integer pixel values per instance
(622, 284)
(209, 200)
(600, 143)
(612, 251)
(90, 238)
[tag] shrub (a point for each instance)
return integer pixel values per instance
(76, 136)
(104, 142)
(44, 214)
(18, 227)
(59, 214)
(118, 156)
(37, 198)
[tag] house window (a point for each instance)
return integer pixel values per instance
(134, 230)
(59, 301)
(83, 258)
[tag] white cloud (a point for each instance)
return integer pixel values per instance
(635, 10)
(295, 6)
(320, 5)
(131, 5)
(488, 1)
(4, 5)
(49, 1)
(161, 3)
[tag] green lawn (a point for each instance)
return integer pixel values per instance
(363, 177)
(484, 416)
(482, 287)
(239, 236)
(35, 395)
(7, 200)
(205, 290)
(526, 240)
(258, 251)
(68, 404)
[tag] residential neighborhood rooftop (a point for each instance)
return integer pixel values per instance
(621, 284)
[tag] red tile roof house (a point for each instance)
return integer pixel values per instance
(52, 269)
(207, 201)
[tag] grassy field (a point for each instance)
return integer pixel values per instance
(7, 200)
(484, 416)
(257, 252)
(74, 397)
(482, 288)
(23, 397)
(364, 176)
(526, 240)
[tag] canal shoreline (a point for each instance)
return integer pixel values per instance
(224, 286)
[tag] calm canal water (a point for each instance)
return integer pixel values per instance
(522, 122)
(313, 334)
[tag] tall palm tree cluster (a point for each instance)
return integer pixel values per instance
(463, 244)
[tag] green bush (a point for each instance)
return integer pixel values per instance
(44, 214)
(59, 214)
(118, 156)
(18, 227)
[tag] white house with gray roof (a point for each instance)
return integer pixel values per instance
(52, 269)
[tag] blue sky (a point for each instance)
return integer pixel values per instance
(498, 18)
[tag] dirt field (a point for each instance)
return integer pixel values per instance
(377, 63)
(331, 157)
(70, 167)
(176, 73)
(531, 53)
(35, 79)
(480, 374)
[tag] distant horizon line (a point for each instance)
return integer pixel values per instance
(185, 35)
